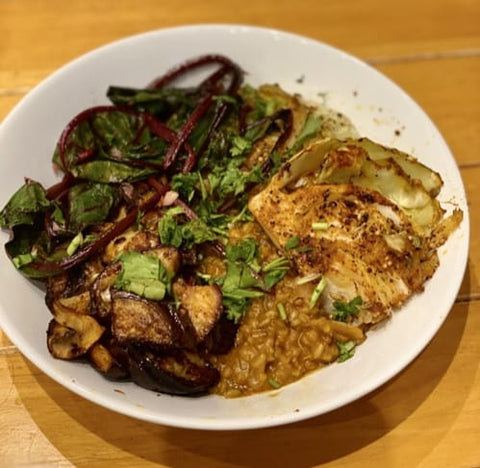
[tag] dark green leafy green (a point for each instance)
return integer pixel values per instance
(158, 102)
(90, 204)
(112, 147)
(25, 206)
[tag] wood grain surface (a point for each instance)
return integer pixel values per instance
(429, 415)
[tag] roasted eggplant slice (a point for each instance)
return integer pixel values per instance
(105, 362)
(179, 373)
(136, 320)
(221, 338)
(71, 335)
(169, 257)
(202, 305)
(131, 239)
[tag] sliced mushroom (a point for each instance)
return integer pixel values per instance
(136, 320)
(70, 335)
(100, 291)
(56, 287)
(131, 239)
(202, 305)
(79, 304)
(179, 373)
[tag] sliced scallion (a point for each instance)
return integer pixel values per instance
(317, 292)
(281, 311)
(273, 383)
(320, 226)
(75, 243)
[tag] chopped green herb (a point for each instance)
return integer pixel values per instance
(168, 228)
(343, 310)
(188, 233)
(275, 271)
(142, 274)
(185, 185)
(241, 283)
(346, 350)
(312, 126)
(292, 243)
(240, 146)
(273, 383)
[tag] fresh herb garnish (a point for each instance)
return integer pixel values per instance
(346, 350)
(343, 310)
(245, 278)
(292, 243)
(273, 383)
(143, 274)
(274, 271)
(187, 233)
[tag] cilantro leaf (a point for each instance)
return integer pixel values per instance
(274, 272)
(292, 243)
(142, 274)
(168, 228)
(343, 310)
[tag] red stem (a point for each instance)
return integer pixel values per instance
(85, 253)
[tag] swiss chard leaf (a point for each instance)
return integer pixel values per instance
(24, 207)
(111, 147)
(159, 102)
(90, 204)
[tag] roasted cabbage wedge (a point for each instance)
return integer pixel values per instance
(360, 217)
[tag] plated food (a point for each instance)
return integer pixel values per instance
(222, 237)
(319, 73)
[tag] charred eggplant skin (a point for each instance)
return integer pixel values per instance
(175, 373)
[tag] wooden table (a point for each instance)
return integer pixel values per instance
(429, 415)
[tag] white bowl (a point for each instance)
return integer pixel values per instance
(378, 108)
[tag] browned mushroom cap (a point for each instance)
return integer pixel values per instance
(202, 305)
(100, 291)
(178, 373)
(70, 335)
(136, 320)
(79, 304)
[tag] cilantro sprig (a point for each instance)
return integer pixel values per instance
(342, 311)
(245, 278)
